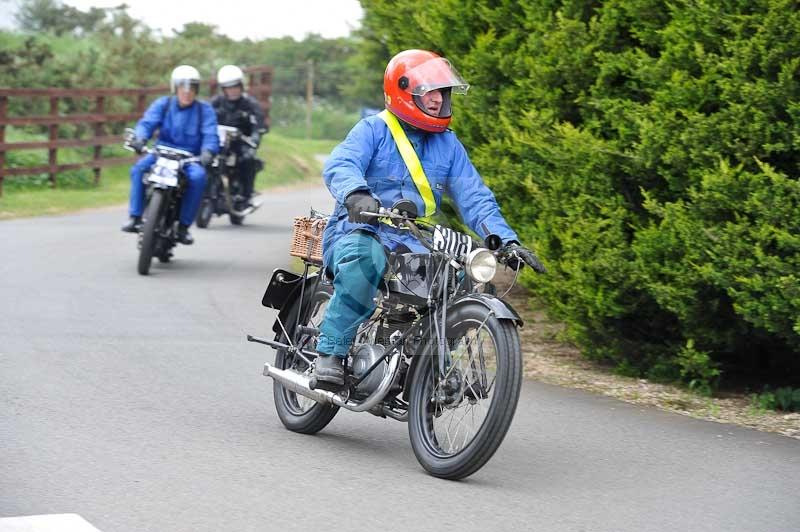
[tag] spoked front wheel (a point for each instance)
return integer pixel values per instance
(152, 218)
(460, 413)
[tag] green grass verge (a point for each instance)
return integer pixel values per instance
(288, 161)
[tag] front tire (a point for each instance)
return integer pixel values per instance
(205, 213)
(235, 191)
(296, 412)
(152, 217)
(484, 381)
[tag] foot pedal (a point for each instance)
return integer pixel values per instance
(314, 384)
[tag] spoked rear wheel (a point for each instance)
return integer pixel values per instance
(297, 412)
(457, 421)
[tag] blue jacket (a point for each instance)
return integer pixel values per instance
(193, 128)
(368, 159)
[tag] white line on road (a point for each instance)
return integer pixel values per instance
(46, 523)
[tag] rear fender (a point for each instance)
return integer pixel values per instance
(283, 290)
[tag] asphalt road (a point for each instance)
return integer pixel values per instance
(136, 403)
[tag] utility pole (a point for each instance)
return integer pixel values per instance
(309, 96)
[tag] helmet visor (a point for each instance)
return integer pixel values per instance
(434, 74)
(188, 84)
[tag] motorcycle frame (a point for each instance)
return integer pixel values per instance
(452, 293)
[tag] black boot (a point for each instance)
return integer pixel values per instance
(184, 236)
(134, 225)
(329, 369)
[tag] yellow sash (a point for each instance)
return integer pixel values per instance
(411, 160)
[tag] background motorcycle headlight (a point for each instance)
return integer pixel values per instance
(481, 265)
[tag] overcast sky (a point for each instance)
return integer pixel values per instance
(238, 18)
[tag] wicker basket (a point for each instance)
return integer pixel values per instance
(307, 238)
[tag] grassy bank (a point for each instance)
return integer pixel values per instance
(288, 161)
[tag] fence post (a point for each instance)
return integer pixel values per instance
(3, 111)
(100, 109)
(309, 96)
(52, 151)
(140, 103)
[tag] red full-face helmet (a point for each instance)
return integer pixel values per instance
(409, 76)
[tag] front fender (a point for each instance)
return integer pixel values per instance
(501, 309)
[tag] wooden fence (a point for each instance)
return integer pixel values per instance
(259, 86)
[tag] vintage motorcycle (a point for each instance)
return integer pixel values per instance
(224, 194)
(441, 351)
(166, 183)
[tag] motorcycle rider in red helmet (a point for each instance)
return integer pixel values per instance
(368, 170)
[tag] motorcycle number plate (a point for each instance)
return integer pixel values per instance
(451, 242)
(165, 172)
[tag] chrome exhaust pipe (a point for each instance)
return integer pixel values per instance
(298, 383)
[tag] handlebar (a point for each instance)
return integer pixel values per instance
(383, 212)
(502, 254)
(236, 135)
(410, 223)
(155, 151)
(405, 221)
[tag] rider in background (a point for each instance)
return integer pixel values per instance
(183, 123)
(236, 108)
(367, 171)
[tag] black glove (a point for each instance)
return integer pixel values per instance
(137, 144)
(517, 255)
(206, 157)
(359, 201)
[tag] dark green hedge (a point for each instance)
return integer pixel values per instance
(649, 151)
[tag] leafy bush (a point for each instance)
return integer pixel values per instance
(785, 398)
(697, 369)
(649, 151)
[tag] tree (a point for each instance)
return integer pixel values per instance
(54, 17)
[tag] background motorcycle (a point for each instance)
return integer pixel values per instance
(441, 351)
(165, 184)
(224, 190)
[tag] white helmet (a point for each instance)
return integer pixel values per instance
(185, 75)
(230, 76)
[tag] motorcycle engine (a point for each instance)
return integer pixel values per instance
(363, 358)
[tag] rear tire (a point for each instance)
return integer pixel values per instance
(152, 217)
(298, 413)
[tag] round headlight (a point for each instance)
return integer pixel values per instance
(481, 265)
